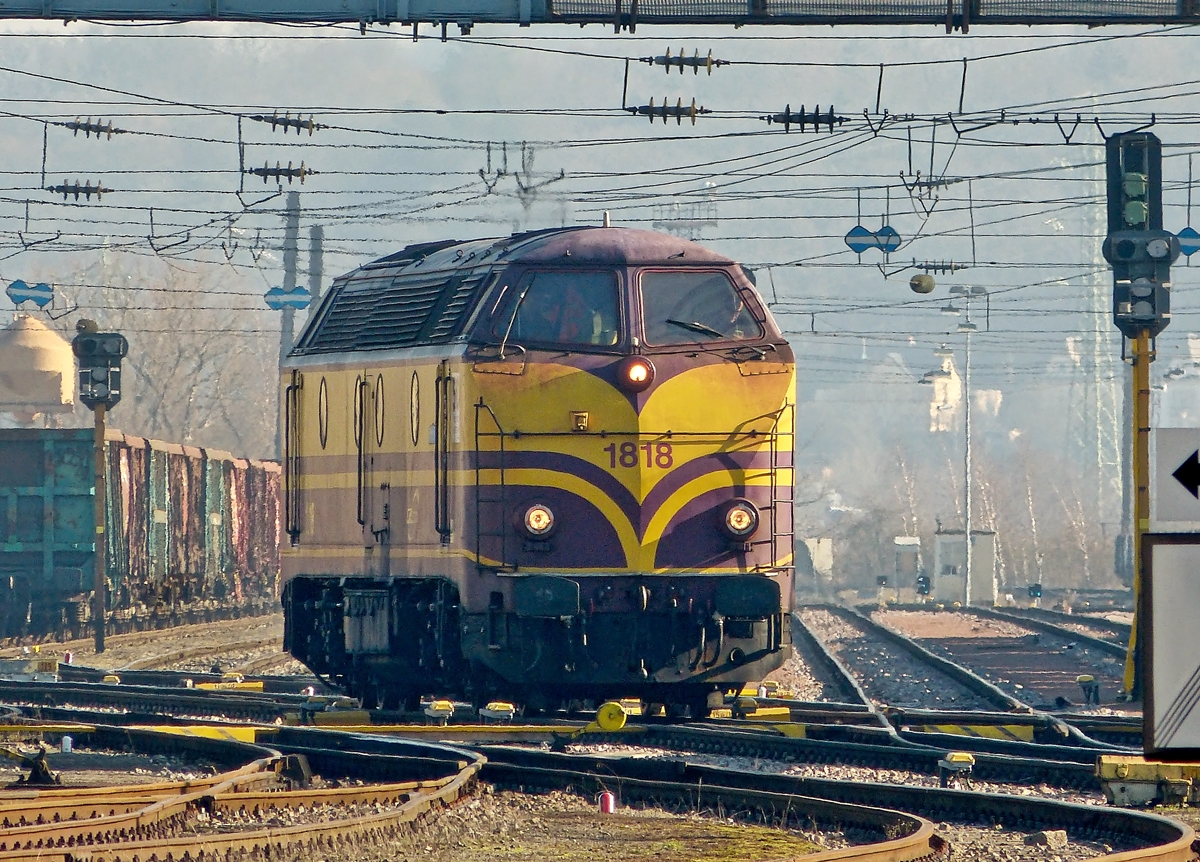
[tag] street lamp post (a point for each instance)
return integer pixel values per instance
(966, 328)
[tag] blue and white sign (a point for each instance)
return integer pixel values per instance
(40, 294)
(1189, 241)
(886, 239)
(279, 299)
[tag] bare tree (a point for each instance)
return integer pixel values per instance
(202, 348)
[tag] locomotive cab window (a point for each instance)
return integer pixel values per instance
(681, 307)
(570, 308)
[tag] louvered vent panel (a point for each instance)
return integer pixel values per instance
(396, 316)
(452, 315)
(389, 315)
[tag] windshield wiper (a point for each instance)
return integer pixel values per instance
(695, 326)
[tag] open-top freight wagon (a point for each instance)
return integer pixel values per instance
(192, 534)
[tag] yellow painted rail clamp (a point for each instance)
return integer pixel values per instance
(498, 711)
(956, 766)
(440, 710)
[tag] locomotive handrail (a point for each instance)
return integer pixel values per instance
(360, 409)
(669, 435)
(480, 407)
(291, 457)
(444, 394)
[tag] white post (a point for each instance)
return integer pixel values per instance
(967, 457)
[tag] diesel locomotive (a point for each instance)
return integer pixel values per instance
(548, 467)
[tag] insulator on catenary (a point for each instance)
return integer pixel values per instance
(77, 190)
(287, 122)
(98, 128)
(281, 173)
(940, 266)
(803, 119)
(696, 62)
(679, 110)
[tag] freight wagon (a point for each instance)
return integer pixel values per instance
(193, 534)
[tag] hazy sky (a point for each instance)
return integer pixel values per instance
(391, 171)
(409, 126)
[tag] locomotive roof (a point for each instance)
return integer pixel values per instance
(425, 293)
(578, 245)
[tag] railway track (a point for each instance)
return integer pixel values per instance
(166, 821)
(894, 670)
(835, 737)
(153, 700)
(419, 777)
(1097, 627)
(1158, 838)
(129, 624)
(792, 732)
(1033, 662)
(1064, 627)
(189, 654)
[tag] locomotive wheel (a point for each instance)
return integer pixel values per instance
(697, 704)
(677, 710)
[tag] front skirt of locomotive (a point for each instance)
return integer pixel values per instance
(587, 636)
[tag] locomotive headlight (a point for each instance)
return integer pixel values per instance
(635, 373)
(538, 521)
(740, 519)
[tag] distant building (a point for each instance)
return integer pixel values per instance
(814, 566)
(950, 567)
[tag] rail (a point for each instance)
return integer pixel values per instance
(968, 680)
(147, 821)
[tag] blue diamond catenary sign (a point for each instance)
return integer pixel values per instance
(40, 294)
(279, 299)
(886, 239)
(1189, 241)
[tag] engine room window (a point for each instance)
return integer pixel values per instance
(564, 308)
(687, 307)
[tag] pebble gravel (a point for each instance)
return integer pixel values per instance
(803, 675)
(887, 674)
(944, 624)
(833, 772)
(563, 827)
(975, 842)
(1038, 669)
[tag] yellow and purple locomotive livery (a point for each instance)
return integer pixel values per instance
(555, 466)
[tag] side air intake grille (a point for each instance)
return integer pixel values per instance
(380, 314)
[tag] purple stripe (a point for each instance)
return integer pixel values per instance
(571, 465)
(716, 463)
(583, 537)
(694, 538)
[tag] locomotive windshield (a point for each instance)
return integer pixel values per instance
(680, 307)
(567, 308)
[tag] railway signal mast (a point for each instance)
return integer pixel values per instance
(98, 356)
(1141, 254)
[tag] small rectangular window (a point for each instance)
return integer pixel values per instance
(685, 307)
(563, 308)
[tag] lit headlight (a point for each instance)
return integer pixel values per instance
(635, 373)
(538, 521)
(740, 519)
